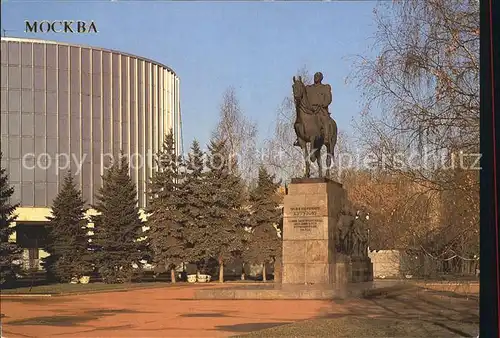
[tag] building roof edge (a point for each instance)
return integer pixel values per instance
(52, 42)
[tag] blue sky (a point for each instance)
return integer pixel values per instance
(256, 47)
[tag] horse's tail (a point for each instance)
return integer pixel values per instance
(332, 134)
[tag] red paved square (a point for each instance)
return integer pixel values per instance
(159, 312)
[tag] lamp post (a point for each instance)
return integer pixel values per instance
(368, 233)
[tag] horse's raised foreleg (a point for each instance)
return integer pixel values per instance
(299, 132)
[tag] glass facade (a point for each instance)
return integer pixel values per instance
(66, 106)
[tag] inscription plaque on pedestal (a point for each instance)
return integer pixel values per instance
(311, 211)
(305, 219)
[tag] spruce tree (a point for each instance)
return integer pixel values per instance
(68, 240)
(117, 227)
(196, 194)
(10, 252)
(225, 215)
(264, 245)
(165, 220)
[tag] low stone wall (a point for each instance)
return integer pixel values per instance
(295, 291)
(386, 263)
(284, 291)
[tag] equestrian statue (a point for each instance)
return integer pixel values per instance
(313, 124)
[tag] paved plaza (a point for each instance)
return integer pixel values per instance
(169, 311)
(173, 312)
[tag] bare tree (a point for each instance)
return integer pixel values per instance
(239, 133)
(425, 80)
(281, 158)
(399, 209)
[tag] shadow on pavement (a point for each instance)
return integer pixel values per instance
(67, 320)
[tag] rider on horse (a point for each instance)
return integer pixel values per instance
(320, 97)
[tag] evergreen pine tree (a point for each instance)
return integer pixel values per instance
(165, 221)
(68, 235)
(225, 215)
(264, 245)
(196, 193)
(118, 226)
(10, 252)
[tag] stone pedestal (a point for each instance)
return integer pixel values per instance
(311, 268)
(311, 211)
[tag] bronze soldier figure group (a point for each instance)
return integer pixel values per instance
(352, 232)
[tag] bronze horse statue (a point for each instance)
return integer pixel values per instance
(313, 129)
